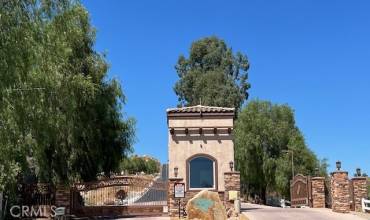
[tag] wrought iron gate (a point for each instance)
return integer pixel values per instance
(120, 196)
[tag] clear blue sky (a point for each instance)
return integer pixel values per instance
(312, 55)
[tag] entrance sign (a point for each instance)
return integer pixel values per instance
(179, 190)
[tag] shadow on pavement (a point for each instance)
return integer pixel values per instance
(246, 209)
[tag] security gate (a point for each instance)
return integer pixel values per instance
(300, 191)
(120, 196)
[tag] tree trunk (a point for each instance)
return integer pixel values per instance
(1, 205)
(263, 195)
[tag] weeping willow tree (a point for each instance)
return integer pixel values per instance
(264, 132)
(61, 117)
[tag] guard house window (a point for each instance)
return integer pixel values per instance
(201, 173)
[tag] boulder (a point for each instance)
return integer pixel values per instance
(206, 205)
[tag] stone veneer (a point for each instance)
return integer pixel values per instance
(318, 192)
(172, 204)
(340, 191)
(232, 183)
(62, 197)
(359, 191)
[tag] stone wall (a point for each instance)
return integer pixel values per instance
(118, 211)
(359, 191)
(172, 203)
(340, 192)
(232, 183)
(318, 192)
(62, 197)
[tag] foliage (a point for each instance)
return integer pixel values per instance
(213, 75)
(136, 164)
(262, 132)
(60, 116)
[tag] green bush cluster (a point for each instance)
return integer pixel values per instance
(137, 164)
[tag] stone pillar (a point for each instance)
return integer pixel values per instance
(318, 192)
(232, 183)
(340, 191)
(173, 208)
(359, 191)
(63, 197)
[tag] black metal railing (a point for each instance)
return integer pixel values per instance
(37, 194)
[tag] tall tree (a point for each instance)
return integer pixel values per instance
(212, 74)
(263, 133)
(61, 118)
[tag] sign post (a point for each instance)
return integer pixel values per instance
(179, 190)
(179, 193)
(1, 205)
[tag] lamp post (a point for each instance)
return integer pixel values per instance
(290, 152)
(358, 172)
(317, 173)
(231, 164)
(338, 164)
(176, 171)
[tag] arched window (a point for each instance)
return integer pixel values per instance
(201, 173)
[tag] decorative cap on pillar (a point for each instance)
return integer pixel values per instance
(358, 172)
(231, 164)
(317, 173)
(338, 165)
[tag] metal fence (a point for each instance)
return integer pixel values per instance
(37, 194)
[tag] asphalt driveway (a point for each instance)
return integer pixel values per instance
(258, 212)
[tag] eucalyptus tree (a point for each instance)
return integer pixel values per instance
(212, 75)
(61, 117)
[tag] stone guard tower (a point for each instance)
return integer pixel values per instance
(201, 152)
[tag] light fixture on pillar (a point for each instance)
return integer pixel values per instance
(176, 171)
(358, 172)
(231, 164)
(316, 171)
(338, 165)
(172, 131)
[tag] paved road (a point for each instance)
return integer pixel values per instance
(146, 218)
(258, 212)
(156, 194)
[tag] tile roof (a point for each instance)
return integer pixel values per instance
(201, 109)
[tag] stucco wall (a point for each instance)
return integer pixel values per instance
(182, 146)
